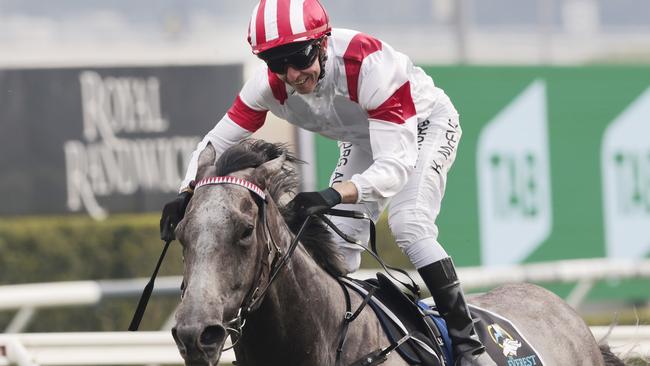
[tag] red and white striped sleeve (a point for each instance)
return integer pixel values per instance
(253, 102)
(377, 79)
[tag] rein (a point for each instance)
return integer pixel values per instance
(256, 294)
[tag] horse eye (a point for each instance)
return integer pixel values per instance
(247, 232)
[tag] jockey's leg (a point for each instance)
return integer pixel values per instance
(443, 283)
(353, 160)
(412, 215)
(413, 211)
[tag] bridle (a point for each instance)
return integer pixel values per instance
(272, 263)
(271, 268)
(275, 260)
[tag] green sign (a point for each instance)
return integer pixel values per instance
(554, 164)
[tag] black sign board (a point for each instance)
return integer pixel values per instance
(104, 140)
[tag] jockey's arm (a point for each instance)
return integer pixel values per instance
(347, 190)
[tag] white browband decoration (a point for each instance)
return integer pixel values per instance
(231, 180)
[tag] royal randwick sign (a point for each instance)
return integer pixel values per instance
(111, 140)
(103, 164)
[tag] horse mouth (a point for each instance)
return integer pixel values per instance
(200, 348)
(201, 362)
(201, 359)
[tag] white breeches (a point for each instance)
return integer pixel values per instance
(413, 211)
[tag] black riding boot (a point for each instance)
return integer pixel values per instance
(440, 277)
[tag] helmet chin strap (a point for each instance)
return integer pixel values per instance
(322, 57)
(321, 61)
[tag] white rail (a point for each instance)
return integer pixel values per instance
(56, 294)
(128, 348)
(586, 272)
(102, 348)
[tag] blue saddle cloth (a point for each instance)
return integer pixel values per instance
(440, 323)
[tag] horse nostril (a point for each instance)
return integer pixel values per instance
(212, 335)
(179, 343)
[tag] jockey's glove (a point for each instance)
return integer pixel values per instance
(311, 203)
(172, 214)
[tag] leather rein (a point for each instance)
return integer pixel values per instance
(274, 261)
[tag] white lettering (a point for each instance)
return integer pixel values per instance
(79, 189)
(106, 164)
(125, 104)
(100, 170)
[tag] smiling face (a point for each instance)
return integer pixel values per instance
(292, 69)
(304, 81)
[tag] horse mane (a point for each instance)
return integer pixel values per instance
(317, 239)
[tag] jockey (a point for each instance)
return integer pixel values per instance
(397, 134)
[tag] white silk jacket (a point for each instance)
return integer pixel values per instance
(371, 96)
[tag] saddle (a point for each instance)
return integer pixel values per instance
(400, 315)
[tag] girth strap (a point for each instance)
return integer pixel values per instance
(349, 316)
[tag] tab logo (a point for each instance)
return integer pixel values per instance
(514, 179)
(625, 164)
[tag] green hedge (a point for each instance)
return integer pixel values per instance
(72, 248)
(45, 249)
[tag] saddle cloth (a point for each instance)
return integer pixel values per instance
(503, 342)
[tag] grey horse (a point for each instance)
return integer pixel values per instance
(229, 246)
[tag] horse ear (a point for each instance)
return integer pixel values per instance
(206, 161)
(269, 169)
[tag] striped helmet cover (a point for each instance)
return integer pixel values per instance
(278, 22)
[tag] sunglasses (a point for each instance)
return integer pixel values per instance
(299, 60)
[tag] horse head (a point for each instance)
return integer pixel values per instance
(226, 237)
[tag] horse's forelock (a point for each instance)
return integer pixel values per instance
(247, 154)
(282, 185)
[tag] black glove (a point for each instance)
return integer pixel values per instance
(172, 214)
(310, 203)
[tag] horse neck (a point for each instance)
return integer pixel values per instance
(303, 311)
(302, 286)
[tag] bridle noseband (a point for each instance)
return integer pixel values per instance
(272, 263)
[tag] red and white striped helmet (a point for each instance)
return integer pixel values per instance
(278, 22)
